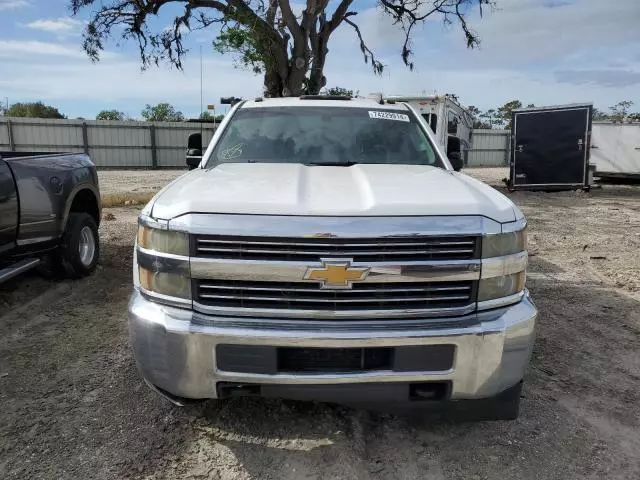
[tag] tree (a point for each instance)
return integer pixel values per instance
(599, 115)
(505, 111)
(209, 117)
(265, 36)
(477, 114)
(338, 92)
(162, 112)
(111, 115)
(620, 110)
(491, 119)
(33, 110)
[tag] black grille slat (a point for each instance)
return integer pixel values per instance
(327, 360)
(358, 249)
(310, 296)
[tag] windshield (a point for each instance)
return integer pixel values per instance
(324, 136)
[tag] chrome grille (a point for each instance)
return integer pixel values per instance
(385, 249)
(292, 297)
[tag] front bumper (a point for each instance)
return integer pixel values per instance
(175, 349)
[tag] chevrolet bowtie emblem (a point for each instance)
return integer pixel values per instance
(336, 274)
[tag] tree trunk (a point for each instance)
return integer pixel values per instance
(272, 84)
(317, 80)
(294, 86)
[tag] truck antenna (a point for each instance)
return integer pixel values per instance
(201, 102)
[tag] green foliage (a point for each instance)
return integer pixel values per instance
(599, 115)
(476, 113)
(209, 117)
(505, 111)
(33, 110)
(620, 110)
(491, 119)
(246, 45)
(162, 112)
(338, 91)
(111, 115)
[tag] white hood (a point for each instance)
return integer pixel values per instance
(359, 190)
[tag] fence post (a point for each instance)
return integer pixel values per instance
(12, 145)
(85, 138)
(507, 150)
(154, 152)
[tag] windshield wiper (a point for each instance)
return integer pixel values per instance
(330, 164)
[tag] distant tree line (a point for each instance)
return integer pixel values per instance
(494, 118)
(500, 118)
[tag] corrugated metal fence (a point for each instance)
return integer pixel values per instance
(109, 143)
(489, 148)
(163, 144)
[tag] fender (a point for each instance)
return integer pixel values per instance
(72, 195)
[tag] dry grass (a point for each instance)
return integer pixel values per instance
(125, 199)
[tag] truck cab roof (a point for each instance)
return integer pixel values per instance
(318, 101)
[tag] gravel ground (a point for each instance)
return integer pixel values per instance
(135, 181)
(73, 405)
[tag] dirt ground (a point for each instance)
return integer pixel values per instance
(73, 405)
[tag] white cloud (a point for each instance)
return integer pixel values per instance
(606, 78)
(60, 26)
(13, 4)
(19, 48)
(580, 50)
(539, 32)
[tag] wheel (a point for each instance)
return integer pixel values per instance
(80, 249)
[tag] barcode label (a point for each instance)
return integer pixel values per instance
(398, 117)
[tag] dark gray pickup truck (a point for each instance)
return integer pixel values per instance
(49, 213)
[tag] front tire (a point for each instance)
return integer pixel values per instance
(80, 249)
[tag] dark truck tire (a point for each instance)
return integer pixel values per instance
(80, 248)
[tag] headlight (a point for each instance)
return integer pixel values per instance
(163, 241)
(504, 244)
(159, 269)
(503, 286)
(165, 283)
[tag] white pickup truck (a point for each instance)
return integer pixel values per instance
(325, 249)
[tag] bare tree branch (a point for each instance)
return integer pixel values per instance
(408, 13)
(377, 66)
(339, 15)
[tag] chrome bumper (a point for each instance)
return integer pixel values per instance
(175, 348)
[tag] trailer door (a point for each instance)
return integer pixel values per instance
(550, 147)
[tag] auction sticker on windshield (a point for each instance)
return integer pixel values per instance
(399, 117)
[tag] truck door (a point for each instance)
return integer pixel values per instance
(8, 207)
(550, 147)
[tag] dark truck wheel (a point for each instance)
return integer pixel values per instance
(80, 249)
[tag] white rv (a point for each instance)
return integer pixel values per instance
(451, 122)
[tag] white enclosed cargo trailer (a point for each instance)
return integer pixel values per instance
(615, 149)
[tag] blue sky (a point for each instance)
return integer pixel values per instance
(539, 51)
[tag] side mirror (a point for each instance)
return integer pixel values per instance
(194, 142)
(456, 160)
(194, 157)
(194, 150)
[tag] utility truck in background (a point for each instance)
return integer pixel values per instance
(449, 121)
